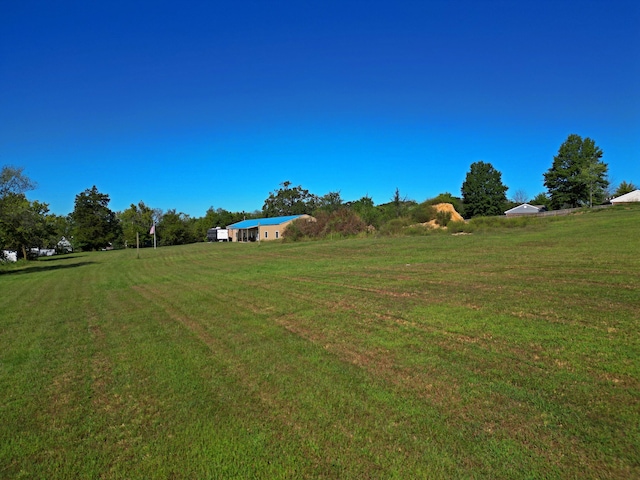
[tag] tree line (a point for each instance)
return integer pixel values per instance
(577, 177)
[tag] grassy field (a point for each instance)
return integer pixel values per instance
(508, 353)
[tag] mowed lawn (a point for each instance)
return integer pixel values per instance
(511, 353)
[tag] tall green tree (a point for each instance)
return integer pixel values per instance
(398, 203)
(330, 202)
(176, 229)
(23, 224)
(578, 176)
(483, 192)
(14, 181)
(289, 200)
(95, 226)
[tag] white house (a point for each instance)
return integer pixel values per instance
(64, 246)
(525, 209)
(627, 198)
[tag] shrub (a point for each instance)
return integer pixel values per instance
(418, 230)
(485, 223)
(460, 227)
(423, 213)
(395, 226)
(343, 222)
(443, 218)
(446, 198)
(295, 230)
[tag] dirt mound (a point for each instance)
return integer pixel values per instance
(445, 207)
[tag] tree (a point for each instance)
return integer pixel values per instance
(520, 196)
(397, 203)
(367, 211)
(214, 218)
(289, 201)
(136, 221)
(13, 181)
(58, 226)
(23, 224)
(577, 176)
(398, 207)
(329, 202)
(541, 199)
(624, 188)
(95, 226)
(483, 192)
(175, 229)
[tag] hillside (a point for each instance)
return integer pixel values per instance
(508, 353)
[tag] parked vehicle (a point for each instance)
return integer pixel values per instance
(218, 234)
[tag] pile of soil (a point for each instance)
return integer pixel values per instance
(445, 207)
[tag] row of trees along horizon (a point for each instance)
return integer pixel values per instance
(576, 178)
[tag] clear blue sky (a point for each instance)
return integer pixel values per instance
(194, 104)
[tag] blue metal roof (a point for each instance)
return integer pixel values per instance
(254, 222)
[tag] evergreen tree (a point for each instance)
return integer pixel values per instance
(483, 192)
(577, 176)
(624, 188)
(541, 199)
(95, 226)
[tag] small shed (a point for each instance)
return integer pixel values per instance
(525, 209)
(261, 229)
(630, 197)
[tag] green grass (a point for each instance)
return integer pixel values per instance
(508, 353)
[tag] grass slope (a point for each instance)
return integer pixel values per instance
(504, 354)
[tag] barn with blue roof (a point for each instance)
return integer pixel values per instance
(259, 229)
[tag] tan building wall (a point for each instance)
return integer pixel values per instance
(262, 232)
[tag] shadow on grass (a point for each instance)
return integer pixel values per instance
(37, 267)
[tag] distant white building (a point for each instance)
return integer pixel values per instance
(43, 252)
(525, 209)
(9, 256)
(630, 197)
